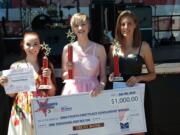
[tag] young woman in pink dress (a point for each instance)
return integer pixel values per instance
(89, 61)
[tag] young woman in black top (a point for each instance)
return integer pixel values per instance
(132, 52)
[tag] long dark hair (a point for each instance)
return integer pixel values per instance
(136, 34)
(41, 54)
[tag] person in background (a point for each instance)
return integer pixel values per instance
(132, 52)
(89, 61)
(21, 114)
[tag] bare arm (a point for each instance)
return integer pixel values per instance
(52, 82)
(3, 80)
(64, 59)
(101, 54)
(148, 59)
(102, 57)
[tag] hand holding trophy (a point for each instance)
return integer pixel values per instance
(117, 75)
(44, 85)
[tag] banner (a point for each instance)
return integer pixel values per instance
(113, 112)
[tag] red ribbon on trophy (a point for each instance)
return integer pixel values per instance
(70, 59)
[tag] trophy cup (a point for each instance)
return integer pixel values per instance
(117, 75)
(71, 37)
(44, 85)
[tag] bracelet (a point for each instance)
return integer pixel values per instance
(65, 74)
(103, 83)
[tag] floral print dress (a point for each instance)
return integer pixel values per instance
(21, 122)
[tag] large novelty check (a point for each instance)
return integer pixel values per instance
(113, 112)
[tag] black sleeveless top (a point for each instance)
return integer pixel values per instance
(130, 65)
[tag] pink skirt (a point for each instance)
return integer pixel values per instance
(80, 85)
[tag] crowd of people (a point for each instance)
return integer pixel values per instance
(88, 66)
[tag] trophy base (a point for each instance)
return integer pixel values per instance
(44, 87)
(118, 79)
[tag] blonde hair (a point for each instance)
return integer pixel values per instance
(137, 33)
(79, 18)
